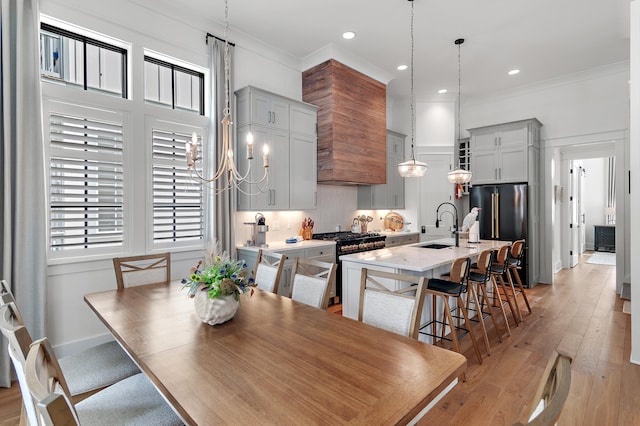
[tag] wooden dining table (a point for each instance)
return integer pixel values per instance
(276, 361)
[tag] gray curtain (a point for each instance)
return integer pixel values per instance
(221, 205)
(22, 191)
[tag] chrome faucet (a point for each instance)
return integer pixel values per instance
(455, 220)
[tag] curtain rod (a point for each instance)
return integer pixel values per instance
(217, 38)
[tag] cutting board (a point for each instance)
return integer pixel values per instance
(393, 221)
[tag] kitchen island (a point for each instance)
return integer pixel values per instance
(414, 259)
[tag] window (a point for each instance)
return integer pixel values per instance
(177, 200)
(173, 85)
(85, 180)
(83, 61)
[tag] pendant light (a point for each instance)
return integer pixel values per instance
(460, 175)
(412, 168)
(227, 170)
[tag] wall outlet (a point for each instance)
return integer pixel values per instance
(423, 229)
(275, 225)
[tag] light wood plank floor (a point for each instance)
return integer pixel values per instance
(580, 315)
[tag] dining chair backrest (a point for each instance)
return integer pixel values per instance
(16, 333)
(269, 270)
(311, 281)
(460, 270)
(398, 311)
(552, 392)
(6, 296)
(140, 270)
(501, 260)
(517, 252)
(48, 386)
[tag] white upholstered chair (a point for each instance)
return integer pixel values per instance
(311, 281)
(87, 372)
(269, 270)
(133, 400)
(398, 311)
(139, 270)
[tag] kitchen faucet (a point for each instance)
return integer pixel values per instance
(455, 220)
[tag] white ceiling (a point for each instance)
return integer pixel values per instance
(545, 39)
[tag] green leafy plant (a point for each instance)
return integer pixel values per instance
(219, 276)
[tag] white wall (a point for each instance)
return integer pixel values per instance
(634, 151)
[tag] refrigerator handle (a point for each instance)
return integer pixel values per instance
(493, 214)
(498, 215)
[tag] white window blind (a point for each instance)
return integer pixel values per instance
(177, 200)
(85, 182)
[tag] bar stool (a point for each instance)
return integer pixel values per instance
(479, 278)
(454, 287)
(516, 260)
(498, 269)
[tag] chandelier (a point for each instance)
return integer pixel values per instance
(460, 175)
(412, 168)
(227, 175)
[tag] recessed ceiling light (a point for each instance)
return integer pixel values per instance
(442, 91)
(348, 35)
(514, 72)
(402, 67)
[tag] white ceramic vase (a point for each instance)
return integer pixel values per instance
(215, 311)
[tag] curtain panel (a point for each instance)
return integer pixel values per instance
(22, 192)
(221, 204)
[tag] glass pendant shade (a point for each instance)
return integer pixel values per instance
(459, 176)
(412, 168)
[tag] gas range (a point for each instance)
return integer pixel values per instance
(349, 242)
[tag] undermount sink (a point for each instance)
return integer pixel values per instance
(435, 246)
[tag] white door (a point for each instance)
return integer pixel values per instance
(574, 219)
(434, 189)
(581, 212)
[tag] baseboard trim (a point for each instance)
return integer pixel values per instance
(78, 346)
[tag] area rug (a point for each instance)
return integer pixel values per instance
(602, 258)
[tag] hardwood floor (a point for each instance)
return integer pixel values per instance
(580, 315)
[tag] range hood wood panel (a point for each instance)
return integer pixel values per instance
(352, 124)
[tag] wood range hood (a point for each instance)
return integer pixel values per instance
(352, 124)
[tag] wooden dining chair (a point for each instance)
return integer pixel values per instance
(133, 400)
(552, 392)
(480, 277)
(398, 311)
(506, 293)
(311, 281)
(87, 371)
(514, 266)
(269, 270)
(140, 270)
(454, 287)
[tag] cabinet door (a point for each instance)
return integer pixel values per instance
(304, 120)
(276, 194)
(484, 140)
(512, 164)
(395, 182)
(303, 178)
(513, 136)
(270, 112)
(484, 166)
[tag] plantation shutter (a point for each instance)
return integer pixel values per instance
(177, 199)
(85, 182)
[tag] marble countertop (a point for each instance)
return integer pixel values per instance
(283, 246)
(392, 233)
(414, 257)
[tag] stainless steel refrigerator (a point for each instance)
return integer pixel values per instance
(503, 214)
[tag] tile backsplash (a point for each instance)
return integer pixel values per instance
(337, 206)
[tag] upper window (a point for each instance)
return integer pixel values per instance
(172, 85)
(80, 60)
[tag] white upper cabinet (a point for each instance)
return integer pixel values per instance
(256, 106)
(500, 153)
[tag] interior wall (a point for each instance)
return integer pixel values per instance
(634, 178)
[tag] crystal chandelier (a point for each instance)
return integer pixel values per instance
(412, 168)
(227, 175)
(460, 175)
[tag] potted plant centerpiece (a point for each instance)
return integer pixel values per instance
(216, 285)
